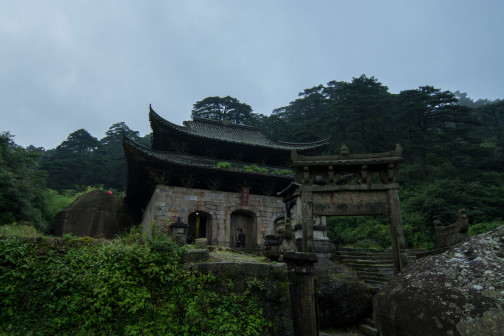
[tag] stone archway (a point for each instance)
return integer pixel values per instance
(247, 222)
(325, 191)
(200, 225)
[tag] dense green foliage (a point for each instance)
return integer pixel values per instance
(82, 160)
(130, 286)
(22, 184)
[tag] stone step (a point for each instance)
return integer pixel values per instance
(410, 252)
(362, 256)
(370, 256)
(373, 278)
(370, 322)
(368, 330)
(377, 274)
(370, 267)
(373, 266)
(336, 253)
(367, 261)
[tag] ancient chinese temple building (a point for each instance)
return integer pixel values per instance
(218, 177)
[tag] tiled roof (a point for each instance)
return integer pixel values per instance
(217, 130)
(349, 159)
(197, 161)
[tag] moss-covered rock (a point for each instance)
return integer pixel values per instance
(95, 214)
(458, 292)
(343, 300)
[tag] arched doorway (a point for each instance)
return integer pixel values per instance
(200, 226)
(246, 222)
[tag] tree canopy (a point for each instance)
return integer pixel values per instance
(226, 108)
(22, 184)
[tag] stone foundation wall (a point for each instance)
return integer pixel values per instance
(168, 203)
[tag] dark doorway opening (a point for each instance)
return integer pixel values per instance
(200, 226)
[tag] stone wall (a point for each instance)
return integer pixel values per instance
(167, 203)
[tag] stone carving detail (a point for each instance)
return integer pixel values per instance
(288, 237)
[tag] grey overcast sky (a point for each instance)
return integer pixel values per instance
(66, 65)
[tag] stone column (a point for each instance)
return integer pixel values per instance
(307, 221)
(396, 231)
(302, 292)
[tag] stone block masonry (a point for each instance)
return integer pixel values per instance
(220, 208)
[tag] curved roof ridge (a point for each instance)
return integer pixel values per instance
(318, 142)
(220, 123)
(153, 116)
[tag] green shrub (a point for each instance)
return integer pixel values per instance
(114, 288)
(284, 172)
(359, 231)
(483, 227)
(255, 169)
(224, 165)
(19, 230)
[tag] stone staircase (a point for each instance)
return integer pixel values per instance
(373, 266)
(368, 327)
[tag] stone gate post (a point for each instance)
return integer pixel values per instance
(302, 292)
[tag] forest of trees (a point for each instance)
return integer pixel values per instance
(453, 150)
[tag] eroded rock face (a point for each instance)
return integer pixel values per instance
(343, 300)
(458, 292)
(96, 213)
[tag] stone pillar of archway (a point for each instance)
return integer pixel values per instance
(396, 231)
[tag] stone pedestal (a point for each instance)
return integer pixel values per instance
(302, 292)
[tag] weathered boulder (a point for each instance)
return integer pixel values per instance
(343, 300)
(273, 296)
(93, 214)
(458, 292)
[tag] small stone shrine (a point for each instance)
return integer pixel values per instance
(218, 177)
